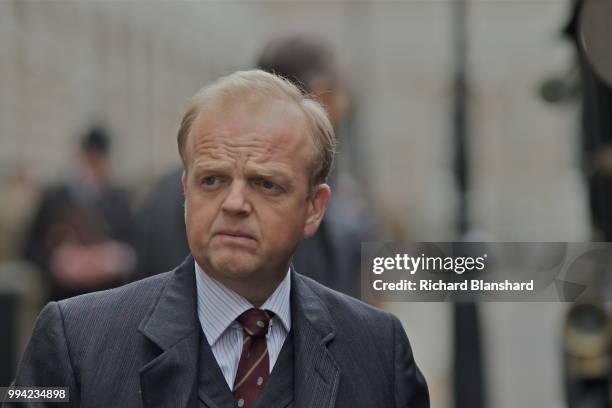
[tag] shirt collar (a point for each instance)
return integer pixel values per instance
(219, 306)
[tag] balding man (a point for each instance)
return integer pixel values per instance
(234, 325)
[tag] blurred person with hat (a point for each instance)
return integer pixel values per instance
(80, 236)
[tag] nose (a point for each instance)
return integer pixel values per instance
(236, 201)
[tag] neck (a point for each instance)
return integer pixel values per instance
(254, 288)
(256, 291)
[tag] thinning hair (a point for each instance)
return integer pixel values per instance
(260, 83)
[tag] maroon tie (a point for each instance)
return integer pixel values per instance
(254, 365)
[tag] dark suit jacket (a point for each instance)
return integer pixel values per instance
(161, 240)
(137, 345)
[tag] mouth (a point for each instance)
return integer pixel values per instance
(234, 236)
(236, 233)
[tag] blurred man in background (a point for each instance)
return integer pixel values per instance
(80, 236)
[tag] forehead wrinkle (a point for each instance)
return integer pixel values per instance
(262, 143)
(243, 131)
(225, 146)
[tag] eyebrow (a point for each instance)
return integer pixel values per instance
(269, 170)
(211, 166)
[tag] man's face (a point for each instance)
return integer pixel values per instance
(246, 188)
(98, 166)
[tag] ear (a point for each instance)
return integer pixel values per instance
(184, 183)
(316, 209)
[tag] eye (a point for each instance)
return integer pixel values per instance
(211, 182)
(267, 185)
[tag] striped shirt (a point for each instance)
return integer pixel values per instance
(218, 309)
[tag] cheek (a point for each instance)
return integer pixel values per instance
(198, 219)
(283, 226)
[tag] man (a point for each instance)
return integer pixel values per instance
(234, 325)
(80, 236)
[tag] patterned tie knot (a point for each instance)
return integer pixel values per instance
(255, 322)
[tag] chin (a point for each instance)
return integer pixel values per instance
(234, 266)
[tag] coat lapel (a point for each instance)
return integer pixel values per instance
(170, 379)
(317, 375)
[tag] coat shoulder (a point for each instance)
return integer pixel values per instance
(128, 303)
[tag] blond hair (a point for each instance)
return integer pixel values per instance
(264, 83)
